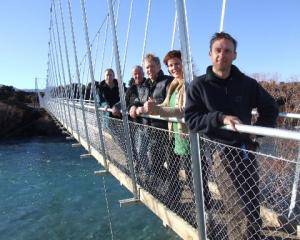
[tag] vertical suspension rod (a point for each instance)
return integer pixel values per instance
(57, 91)
(127, 37)
(69, 70)
(104, 46)
(87, 40)
(58, 78)
(222, 16)
(194, 138)
(78, 77)
(63, 68)
(116, 25)
(122, 99)
(174, 30)
(146, 31)
(50, 90)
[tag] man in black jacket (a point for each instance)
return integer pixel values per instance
(225, 96)
(159, 149)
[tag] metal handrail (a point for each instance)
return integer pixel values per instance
(254, 112)
(256, 130)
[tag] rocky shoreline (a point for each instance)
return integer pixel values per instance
(21, 116)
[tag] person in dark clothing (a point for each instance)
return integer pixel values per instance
(108, 90)
(225, 96)
(137, 94)
(108, 96)
(159, 149)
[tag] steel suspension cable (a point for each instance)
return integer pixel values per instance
(104, 48)
(94, 89)
(58, 77)
(57, 91)
(116, 25)
(87, 40)
(194, 138)
(127, 36)
(96, 52)
(174, 30)
(122, 99)
(69, 69)
(146, 31)
(95, 60)
(108, 208)
(92, 42)
(51, 71)
(62, 66)
(222, 16)
(85, 79)
(78, 77)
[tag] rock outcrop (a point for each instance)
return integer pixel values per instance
(20, 115)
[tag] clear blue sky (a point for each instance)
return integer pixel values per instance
(267, 31)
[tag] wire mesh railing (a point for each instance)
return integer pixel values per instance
(248, 194)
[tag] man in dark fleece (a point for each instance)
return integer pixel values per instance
(225, 96)
(159, 149)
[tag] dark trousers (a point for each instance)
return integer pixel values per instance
(158, 152)
(238, 182)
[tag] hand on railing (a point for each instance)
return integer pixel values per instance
(132, 112)
(231, 121)
(140, 111)
(115, 111)
(149, 106)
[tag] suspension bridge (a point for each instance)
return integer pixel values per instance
(116, 143)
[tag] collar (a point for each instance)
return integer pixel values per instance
(210, 76)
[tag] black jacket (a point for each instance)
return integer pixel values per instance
(157, 90)
(210, 98)
(108, 96)
(136, 95)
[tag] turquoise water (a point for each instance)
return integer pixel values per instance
(48, 192)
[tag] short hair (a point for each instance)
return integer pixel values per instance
(222, 35)
(138, 67)
(110, 70)
(150, 57)
(172, 54)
